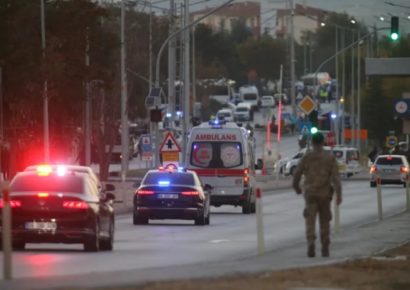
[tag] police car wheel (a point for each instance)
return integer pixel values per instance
(92, 243)
(201, 221)
(139, 221)
(19, 246)
(108, 244)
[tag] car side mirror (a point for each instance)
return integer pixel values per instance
(256, 167)
(136, 184)
(109, 196)
(109, 187)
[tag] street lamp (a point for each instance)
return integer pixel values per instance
(381, 18)
(323, 24)
(353, 21)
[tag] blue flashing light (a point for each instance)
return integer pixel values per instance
(181, 169)
(333, 116)
(179, 113)
(168, 115)
(163, 183)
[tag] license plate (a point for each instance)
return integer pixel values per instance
(342, 167)
(388, 171)
(168, 196)
(45, 226)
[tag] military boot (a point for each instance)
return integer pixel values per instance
(325, 250)
(311, 251)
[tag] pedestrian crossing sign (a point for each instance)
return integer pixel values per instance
(304, 128)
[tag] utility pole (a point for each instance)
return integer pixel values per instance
(304, 57)
(1, 118)
(352, 109)
(292, 58)
(343, 87)
(171, 60)
(358, 91)
(150, 47)
(193, 72)
(124, 119)
(87, 135)
(185, 126)
(45, 95)
(337, 133)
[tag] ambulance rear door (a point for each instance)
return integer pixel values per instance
(218, 159)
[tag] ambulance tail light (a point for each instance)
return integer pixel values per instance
(246, 181)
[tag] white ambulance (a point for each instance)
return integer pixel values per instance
(223, 156)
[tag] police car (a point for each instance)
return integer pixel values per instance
(55, 205)
(171, 193)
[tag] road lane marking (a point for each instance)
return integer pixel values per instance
(218, 241)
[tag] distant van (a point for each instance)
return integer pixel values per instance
(243, 112)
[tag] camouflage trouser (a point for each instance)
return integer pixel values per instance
(317, 205)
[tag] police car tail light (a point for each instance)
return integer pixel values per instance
(61, 170)
(13, 203)
(145, 192)
(42, 194)
(373, 169)
(190, 193)
(75, 204)
(44, 170)
(404, 169)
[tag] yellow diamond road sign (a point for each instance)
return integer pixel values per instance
(307, 105)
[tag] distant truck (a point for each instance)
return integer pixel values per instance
(250, 95)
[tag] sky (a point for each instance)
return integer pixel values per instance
(363, 10)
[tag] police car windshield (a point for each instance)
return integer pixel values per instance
(179, 178)
(52, 183)
(242, 109)
(216, 154)
(250, 97)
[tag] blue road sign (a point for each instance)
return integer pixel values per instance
(391, 141)
(146, 143)
(304, 128)
(285, 116)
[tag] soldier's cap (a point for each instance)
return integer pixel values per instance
(318, 139)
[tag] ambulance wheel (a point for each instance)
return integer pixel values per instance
(247, 208)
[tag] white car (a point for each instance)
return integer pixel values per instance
(225, 114)
(267, 102)
(291, 165)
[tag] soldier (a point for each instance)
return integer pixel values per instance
(321, 180)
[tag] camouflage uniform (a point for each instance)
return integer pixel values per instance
(321, 171)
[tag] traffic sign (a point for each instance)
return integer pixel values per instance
(402, 107)
(170, 157)
(304, 128)
(169, 145)
(146, 147)
(307, 105)
(330, 139)
(391, 141)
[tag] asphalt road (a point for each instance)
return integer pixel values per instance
(231, 235)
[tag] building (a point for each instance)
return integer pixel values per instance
(305, 18)
(225, 18)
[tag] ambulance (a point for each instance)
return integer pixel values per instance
(222, 154)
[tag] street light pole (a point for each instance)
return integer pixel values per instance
(124, 117)
(292, 57)
(45, 95)
(193, 72)
(358, 91)
(87, 123)
(337, 88)
(352, 109)
(171, 59)
(185, 125)
(343, 87)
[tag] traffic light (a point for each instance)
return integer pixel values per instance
(313, 130)
(394, 28)
(313, 118)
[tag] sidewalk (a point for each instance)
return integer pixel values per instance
(348, 245)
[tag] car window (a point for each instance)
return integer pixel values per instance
(171, 178)
(250, 97)
(216, 154)
(52, 183)
(297, 156)
(242, 109)
(389, 161)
